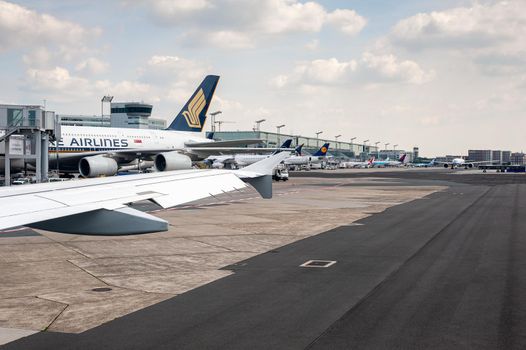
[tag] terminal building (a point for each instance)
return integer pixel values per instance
(311, 144)
(518, 158)
(487, 155)
(135, 115)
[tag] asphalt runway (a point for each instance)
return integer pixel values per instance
(446, 271)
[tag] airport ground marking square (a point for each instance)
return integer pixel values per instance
(318, 263)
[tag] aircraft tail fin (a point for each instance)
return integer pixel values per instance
(193, 115)
(298, 149)
(285, 144)
(210, 135)
(402, 158)
(322, 151)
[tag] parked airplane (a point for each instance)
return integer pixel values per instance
(425, 165)
(315, 158)
(96, 151)
(100, 206)
(357, 164)
(461, 162)
(242, 160)
(382, 163)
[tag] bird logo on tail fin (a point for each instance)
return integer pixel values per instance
(195, 107)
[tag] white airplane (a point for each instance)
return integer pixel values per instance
(315, 158)
(461, 162)
(96, 151)
(242, 160)
(357, 164)
(100, 206)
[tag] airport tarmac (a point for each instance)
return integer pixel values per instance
(423, 259)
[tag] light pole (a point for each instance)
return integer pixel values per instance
(365, 147)
(106, 98)
(394, 147)
(278, 128)
(213, 123)
(318, 138)
(258, 122)
(352, 148)
(336, 137)
(387, 144)
(377, 152)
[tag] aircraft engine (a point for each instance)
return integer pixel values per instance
(446, 166)
(172, 161)
(218, 165)
(16, 165)
(97, 165)
(470, 165)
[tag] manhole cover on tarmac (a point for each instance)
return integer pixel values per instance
(318, 263)
(101, 289)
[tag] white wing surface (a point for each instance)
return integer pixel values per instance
(64, 206)
(99, 206)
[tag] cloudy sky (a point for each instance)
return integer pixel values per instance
(444, 75)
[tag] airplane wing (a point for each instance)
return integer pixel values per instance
(99, 206)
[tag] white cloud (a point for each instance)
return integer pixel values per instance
(128, 90)
(22, 28)
(326, 71)
(370, 69)
(38, 57)
(348, 21)
(173, 70)
(92, 65)
(279, 81)
(280, 16)
(478, 25)
(489, 34)
(230, 40)
(56, 81)
(390, 68)
(58, 84)
(240, 24)
(170, 10)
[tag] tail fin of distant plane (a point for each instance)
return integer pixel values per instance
(210, 135)
(285, 144)
(298, 149)
(402, 158)
(193, 115)
(322, 151)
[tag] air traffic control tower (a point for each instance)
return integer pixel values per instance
(130, 115)
(25, 133)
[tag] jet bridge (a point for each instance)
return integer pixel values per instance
(25, 133)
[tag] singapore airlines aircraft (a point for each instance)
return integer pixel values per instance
(100, 206)
(96, 151)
